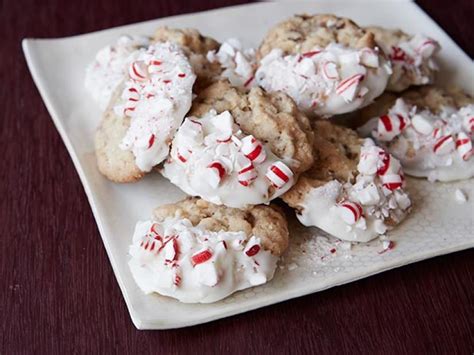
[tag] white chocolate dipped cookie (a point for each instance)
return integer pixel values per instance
(109, 68)
(354, 191)
(239, 149)
(327, 64)
(429, 130)
(412, 57)
(145, 113)
(198, 252)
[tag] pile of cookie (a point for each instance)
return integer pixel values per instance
(236, 128)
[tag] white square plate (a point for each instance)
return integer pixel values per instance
(438, 225)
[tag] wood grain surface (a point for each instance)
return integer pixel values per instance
(58, 294)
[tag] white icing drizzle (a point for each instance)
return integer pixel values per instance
(109, 69)
(412, 56)
(436, 146)
(156, 97)
(326, 81)
(212, 158)
(356, 212)
(195, 265)
(238, 63)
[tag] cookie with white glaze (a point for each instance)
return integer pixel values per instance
(327, 64)
(354, 191)
(144, 113)
(238, 148)
(429, 129)
(198, 252)
(412, 57)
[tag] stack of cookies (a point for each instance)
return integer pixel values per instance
(238, 128)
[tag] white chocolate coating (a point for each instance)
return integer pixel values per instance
(217, 139)
(415, 144)
(157, 103)
(238, 63)
(109, 69)
(194, 265)
(326, 81)
(322, 206)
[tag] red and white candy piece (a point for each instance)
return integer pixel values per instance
(131, 94)
(398, 54)
(392, 181)
(427, 48)
(468, 123)
(390, 126)
(329, 70)
(201, 256)
(138, 71)
(252, 249)
(444, 145)
(347, 88)
(279, 174)
(217, 172)
(253, 149)
(247, 175)
(464, 146)
(350, 212)
(369, 58)
(183, 155)
(130, 106)
(154, 66)
(422, 124)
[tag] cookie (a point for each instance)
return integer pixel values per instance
(109, 68)
(239, 149)
(412, 57)
(327, 64)
(198, 252)
(148, 108)
(196, 47)
(428, 129)
(354, 191)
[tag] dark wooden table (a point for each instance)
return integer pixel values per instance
(58, 293)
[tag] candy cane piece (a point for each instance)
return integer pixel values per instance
(464, 146)
(138, 71)
(347, 88)
(444, 145)
(350, 212)
(279, 174)
(253, 149)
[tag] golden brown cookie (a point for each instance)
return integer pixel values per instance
(354, 190)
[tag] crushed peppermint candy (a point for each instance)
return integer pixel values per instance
(326, 81)
(436, 146)
(186, 262)
(238, 63)
(212, 158)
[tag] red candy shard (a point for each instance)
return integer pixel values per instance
(253, 250)
(201, 257)
(151, 141)
(182, 75)
(386, 163)
(249, 80)
(310, 54)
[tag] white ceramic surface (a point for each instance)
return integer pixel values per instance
(438, 224)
